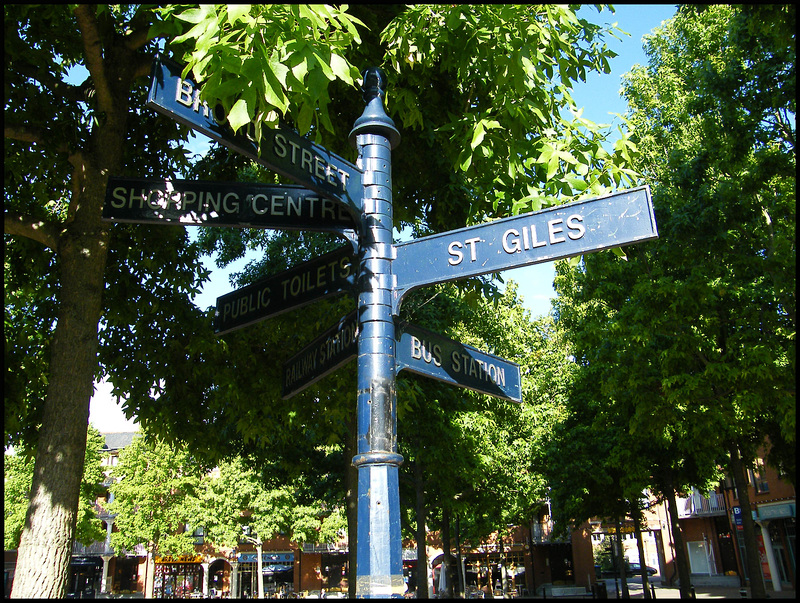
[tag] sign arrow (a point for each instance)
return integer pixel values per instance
(334, 348)
(203, 203)
(551, 234)
(327, 275)
(426, 353)
(282, 150)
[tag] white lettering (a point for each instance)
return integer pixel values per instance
(183, 93)
(279, 145)
(233, 208)
(551, 227)
(514, 247)
(118, 193)
(295, 206)
(458, 257)
(573, 223)
(472, 253)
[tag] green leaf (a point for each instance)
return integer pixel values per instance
(237, 12)
(305, 118)
(477, 135)
(341, 68)
(239, 115)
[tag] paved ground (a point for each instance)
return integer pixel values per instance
(701, 592)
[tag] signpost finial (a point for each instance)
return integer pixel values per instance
(374, 119)
(374, 84)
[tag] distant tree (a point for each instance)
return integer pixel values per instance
(153, 482)
(235, 495)
(689, 342)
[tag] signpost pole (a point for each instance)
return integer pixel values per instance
(379, 564)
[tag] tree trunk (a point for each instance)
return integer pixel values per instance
(637, 526)
(46, 545)
(681, 558)
(45, 548)
(422, 556)
(447, 560)
(460, 591)
(503, 569)
(621, 560)
(757, 588)
(260, 566)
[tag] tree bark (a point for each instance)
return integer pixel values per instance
(45, 548)
(757, 588)
(637, 527)
(447, 560)
(46, 545)
(621, 560)
(422, 556)
(681, 558)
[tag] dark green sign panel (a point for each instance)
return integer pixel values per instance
(203, 203)
(282, 150)
(327, 275)
(334, 348)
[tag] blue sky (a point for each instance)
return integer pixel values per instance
(599, 97)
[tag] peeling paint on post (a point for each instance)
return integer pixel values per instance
(379, 564)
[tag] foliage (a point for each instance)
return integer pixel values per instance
(235, 495)
(265, 63)
(716, 106)
(687, 348)
(69, 276)
(490, 482)
(495, 108)
(17, 476)
(153, 481)
(604, 554)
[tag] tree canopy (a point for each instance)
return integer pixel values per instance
(79, 289)
(688, 344)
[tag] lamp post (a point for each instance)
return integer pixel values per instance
(260, 563)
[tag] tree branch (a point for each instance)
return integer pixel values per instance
(93, 48)
(143, 67)
(59, 88)
(40, 136)
(137, 38)
(45, 233)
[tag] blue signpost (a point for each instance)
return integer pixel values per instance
(379, 570)
(378, 272)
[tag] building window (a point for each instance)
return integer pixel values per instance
(758, 477)
(198, 534)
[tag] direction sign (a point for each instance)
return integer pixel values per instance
(324, 276)
(203, 203)
(426, 353)
(282, 150)
(334, 348)
(551, 234)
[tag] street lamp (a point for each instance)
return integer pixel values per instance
(257, 542)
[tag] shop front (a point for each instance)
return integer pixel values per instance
(178, 576)
(492, 573)
(86, 574)
(277, 573)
